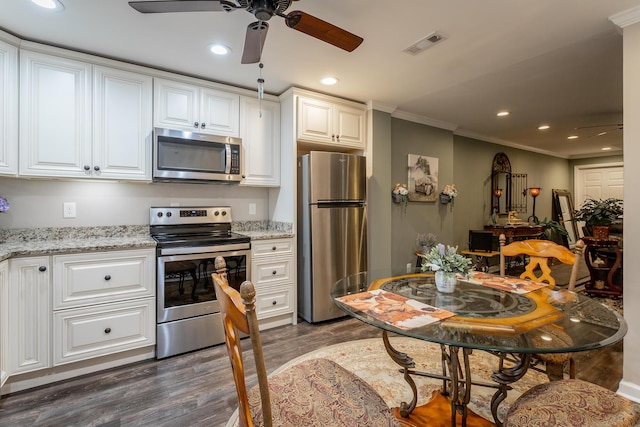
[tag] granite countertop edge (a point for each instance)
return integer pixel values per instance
(69, 240)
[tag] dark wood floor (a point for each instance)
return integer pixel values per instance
(197, 389)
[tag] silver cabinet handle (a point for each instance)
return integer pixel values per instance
(42, 268)
(202, 125)
(196, 124)
(87, 167)
(96, 168)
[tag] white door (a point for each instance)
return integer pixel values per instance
(176, 105)
(597, 182)
(261, 141)
(219, 112)
(350, 126)
(8, 109)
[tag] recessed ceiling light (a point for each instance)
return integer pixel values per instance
(503, 113)
(543, 127)
(219, 49)
(329, 81)
(606, 148)
(50, 4)
(572, 137)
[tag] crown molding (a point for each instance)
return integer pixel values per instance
(473, 135)
(385, 108)
(416, 118)
(626, 18)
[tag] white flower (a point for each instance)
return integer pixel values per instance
(450, 190)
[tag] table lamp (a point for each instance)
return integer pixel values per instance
(534, 192)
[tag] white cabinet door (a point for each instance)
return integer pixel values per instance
(196, 109)
(219, 112)
(8, 109)
(4, 322)
(260, 133)
(350, 126)
(29, 314)
(122, 125)
(55, 116)
(315, 120)
(176, 105)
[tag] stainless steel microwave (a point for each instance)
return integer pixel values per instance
(190, 156)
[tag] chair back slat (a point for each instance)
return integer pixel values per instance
(238, 314)
(540, 252)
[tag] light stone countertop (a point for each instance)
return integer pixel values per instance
(64, 240)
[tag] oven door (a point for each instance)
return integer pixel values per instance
(185, 288)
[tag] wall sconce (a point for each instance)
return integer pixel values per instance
(497, 192)
(534, 192)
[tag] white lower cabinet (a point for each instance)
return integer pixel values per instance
(272, 274)
(29, 314)
(4, 319)
(59, 309)
(103, 303)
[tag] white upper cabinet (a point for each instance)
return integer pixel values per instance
(197, 109)
(260, 133)
(328, 121)
(8, 109)
(59, 135)
(122, 124)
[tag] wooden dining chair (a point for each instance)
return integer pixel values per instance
(540, 253)
(317, 392)
(571, 403)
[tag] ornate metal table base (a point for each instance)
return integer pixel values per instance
(456, 378)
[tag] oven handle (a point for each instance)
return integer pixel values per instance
(186, 250)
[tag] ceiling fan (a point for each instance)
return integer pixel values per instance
(263, 10)
(611, 127)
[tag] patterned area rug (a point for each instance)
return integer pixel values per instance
(369, 360)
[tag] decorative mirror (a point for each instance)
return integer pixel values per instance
(501, 184)
(563, 213)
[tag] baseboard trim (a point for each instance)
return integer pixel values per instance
(629, 390)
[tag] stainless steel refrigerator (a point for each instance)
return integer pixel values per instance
(332, 228)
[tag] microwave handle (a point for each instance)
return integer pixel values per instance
(227, 168)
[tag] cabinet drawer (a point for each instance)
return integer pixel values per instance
(262, 248)
(83, 279)
(274, 300)
(271, 270)
(88, 332)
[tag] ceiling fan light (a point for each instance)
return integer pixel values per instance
(49, 4)
(329, 81)
(219, 49)
(572, 137)
(503, 113)
(543, 127)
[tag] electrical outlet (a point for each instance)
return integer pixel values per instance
(409, 267)
(252, 208)
(69, 210)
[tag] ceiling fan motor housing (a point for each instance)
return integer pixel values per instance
(265, 9)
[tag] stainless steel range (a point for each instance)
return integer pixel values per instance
(188, 241)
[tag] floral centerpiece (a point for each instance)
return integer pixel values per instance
(4, 204)
(448, 194)
(400, 194)
(446, 262)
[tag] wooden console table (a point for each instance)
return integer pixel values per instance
(602, 272)
(511, 231)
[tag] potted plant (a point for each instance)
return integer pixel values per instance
(425, 241)
(446, 263)
(599, 214)
(554, 231)
(400, 195)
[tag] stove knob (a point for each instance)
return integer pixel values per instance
(160, 214)
(224, 213)
(168, 214)
(216, 213)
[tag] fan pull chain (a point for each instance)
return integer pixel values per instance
(260, 88)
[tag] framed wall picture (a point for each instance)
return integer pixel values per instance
(423, 178)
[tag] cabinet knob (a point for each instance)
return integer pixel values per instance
(274, 303)
(196, 124)
(333, 137)
(96, 168)
(87, 167)
(273, 248)
(107, 330)
(274, 272)
(338, 138)
(42, 268)
(107, 277)
(202, 125)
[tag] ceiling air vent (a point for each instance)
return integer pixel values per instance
(424, 43)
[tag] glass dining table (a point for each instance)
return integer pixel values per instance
(512, 319)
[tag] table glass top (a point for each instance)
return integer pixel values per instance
(541, 321)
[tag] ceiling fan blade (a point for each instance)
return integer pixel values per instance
(610, 125)
(254, 42)
(322, 30)
(167, 6)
